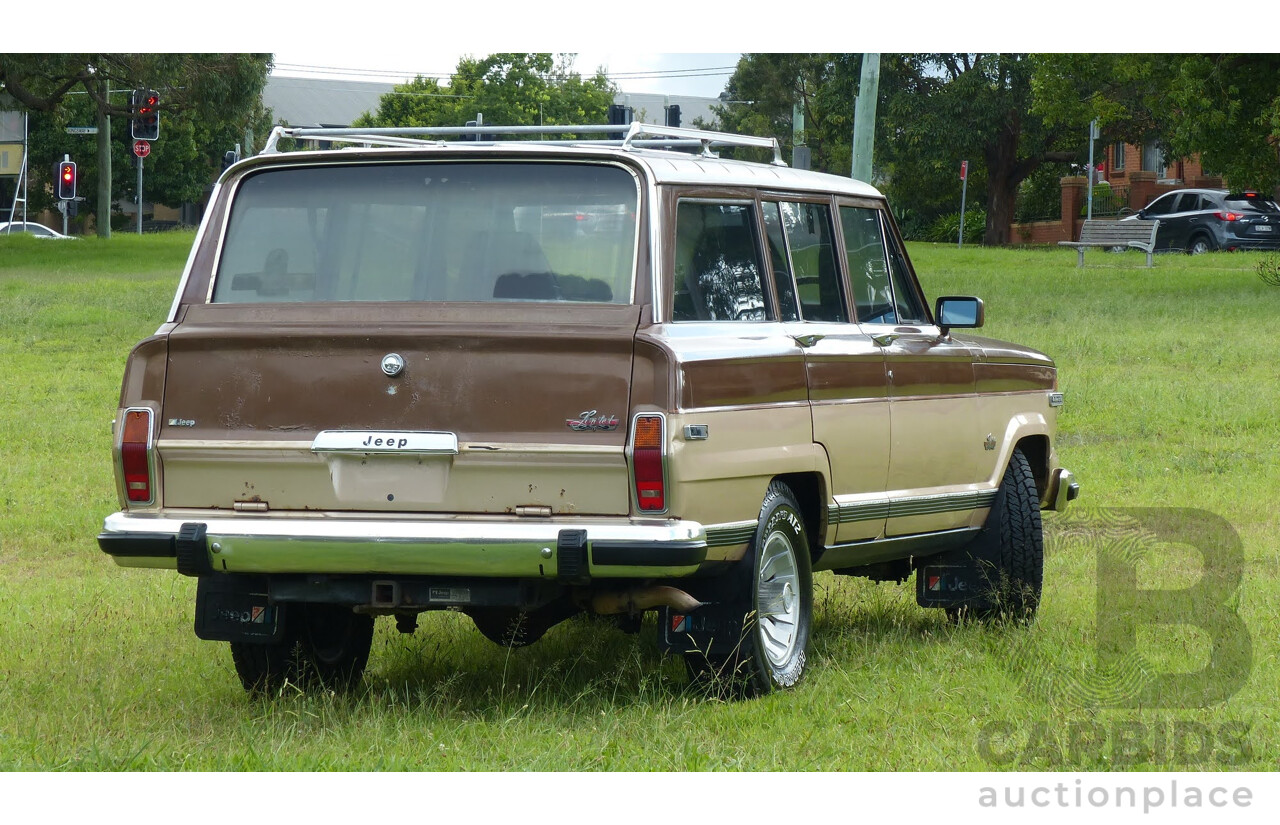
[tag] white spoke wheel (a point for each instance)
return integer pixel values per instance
(773, 587)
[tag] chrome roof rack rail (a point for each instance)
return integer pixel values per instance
(668, 137)
(707, 139)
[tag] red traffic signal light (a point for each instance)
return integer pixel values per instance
(146, 119)
(67, 180)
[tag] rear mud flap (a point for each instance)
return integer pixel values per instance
(968, 576)
(233, 609)
(713, 629)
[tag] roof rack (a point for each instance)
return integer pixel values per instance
(668, 137)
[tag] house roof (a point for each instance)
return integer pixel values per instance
(305, 101)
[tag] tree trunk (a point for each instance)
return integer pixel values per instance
(1004, 173)
(1002, 192)
(104, 168)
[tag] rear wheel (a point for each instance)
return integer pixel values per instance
(323, 644)
(773, 587)
(1200, 244)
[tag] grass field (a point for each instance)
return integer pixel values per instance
(1170, 378)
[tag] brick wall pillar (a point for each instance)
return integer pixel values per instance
(1142, 189)
(1073, 197)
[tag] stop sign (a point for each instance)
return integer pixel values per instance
(141, 148)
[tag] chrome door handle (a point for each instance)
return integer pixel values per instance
(807, 341)
(884, 340)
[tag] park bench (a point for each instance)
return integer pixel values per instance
(1138, 234)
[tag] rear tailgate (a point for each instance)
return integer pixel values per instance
(536, 396)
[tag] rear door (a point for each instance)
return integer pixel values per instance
(424, 337)
(845, 369)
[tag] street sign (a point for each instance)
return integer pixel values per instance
(141, 148)
(964, 169)
(82, 130)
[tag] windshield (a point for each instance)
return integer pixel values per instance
(494, 231)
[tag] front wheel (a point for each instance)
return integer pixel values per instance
(324, 644)
(1013, 567)
(773, 587)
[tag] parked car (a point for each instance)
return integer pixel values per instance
(1203, 220)
(386, 387)
(35, 230)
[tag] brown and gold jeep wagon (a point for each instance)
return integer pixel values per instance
(524, 379)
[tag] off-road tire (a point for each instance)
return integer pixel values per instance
(323, 645)
(773, 586)
(1014, 577)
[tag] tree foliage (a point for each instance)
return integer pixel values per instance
(508, 89)
(207, 102)
(934, 111)
(1226, 107)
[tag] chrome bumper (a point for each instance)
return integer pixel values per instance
(1064, 490)
(547, 548)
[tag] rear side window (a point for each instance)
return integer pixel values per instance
(717, 263)
(432, 232)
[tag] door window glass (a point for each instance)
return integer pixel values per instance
(881, 283)
(813, 261)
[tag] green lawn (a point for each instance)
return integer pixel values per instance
(1170, 381)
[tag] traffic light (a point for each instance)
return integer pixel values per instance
(146, 118)
(620, 115)
(67, 180)
(673, 115)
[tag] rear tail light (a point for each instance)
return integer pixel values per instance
(648, 462)
(1228, 216)
(135, 456)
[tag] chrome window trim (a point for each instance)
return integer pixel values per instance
(191, 256)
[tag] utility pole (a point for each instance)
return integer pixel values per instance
(1093, 135)
(864, 116)
(103, 219)
(800, 158)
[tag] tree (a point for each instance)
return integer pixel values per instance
(201, 96)
(508, 89)
(1226, 107)
(761, 95)
(934, 111)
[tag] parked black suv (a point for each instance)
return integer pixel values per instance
(1203, 220)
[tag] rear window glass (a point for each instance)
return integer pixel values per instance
(432, 232)
(1255, 202)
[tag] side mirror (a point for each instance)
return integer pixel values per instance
(959, 312)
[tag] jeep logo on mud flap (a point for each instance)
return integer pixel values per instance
(254, 615)
(589, 421)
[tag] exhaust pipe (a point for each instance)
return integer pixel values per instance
(641, 599)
